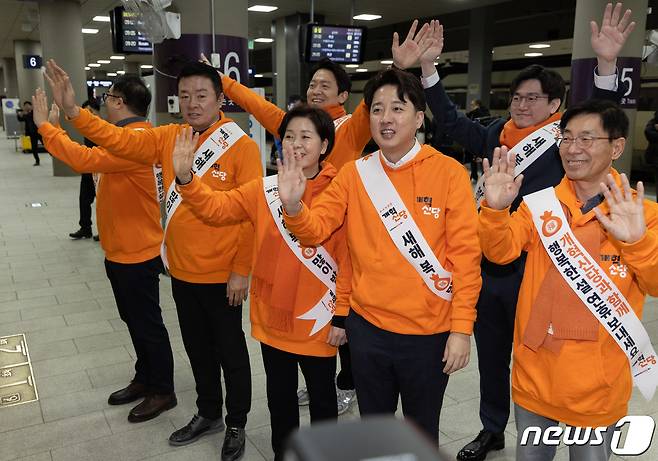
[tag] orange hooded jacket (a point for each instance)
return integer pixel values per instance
(197, 252)
(127, 206)
(386, 290)
(248, 202)
(588, 383)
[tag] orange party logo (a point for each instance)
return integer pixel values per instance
(308, 252)
(440, 283)
(551, 225)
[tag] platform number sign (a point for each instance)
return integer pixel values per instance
(32, 61)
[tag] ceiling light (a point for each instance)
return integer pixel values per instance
(362, 70)
(93, 64)
(262, 8)
(121, 72)
(111, 74)
(89, 31)
(386, 61)
(102, 18)
(533, 55)
(87, 68)
(539, 46)
(264, 40)
(146, 66)
(367, 17)
(258, 75)
(103, 61)
(351, 66)
(117, 57)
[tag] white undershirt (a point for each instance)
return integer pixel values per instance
(406, 158)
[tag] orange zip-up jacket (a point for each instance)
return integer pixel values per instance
(386, 290)
(248, 202)
(589, 382)
(197, 252)
(351, 136)
(127, 207)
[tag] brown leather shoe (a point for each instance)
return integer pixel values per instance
(151, 407)
(130, 393)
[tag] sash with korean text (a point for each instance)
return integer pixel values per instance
(401, 226)
(594, 287)
(526, 152)
(315, 259)
(208, 153)
(339, 121)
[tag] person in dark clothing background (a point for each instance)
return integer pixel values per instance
(25, 115)
(87, 188)
(651, 154)
(476, 113)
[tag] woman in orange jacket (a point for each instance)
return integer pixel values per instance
(299, 296)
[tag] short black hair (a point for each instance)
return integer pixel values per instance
(613, 117)
(27, 102)
(91, 103)
(551, 82)
(321, 120)
(195, 68)
(134, 93)
(408, 85)
(342, 79)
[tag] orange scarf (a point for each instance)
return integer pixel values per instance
(278, 273)
(335, 112)
(511, 135)
(556, 304)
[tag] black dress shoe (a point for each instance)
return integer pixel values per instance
(152, 406)
(233, 448)
(485, 442)
(196, 428)
(80, 234)
(134, 391)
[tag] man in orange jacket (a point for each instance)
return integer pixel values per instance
(129, 221)
(209, 265)
(591, 246)
(414, 251)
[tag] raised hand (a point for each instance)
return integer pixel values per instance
(53, 115)
(608, 41)
(63, 92)
(408, 54)
(40, 107)
(626, 219)
(292, 182)
(183, 155)
(432, 42)
(500, 186)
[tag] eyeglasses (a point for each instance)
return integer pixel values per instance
(109, 95)
(583, 142)
(529, 99)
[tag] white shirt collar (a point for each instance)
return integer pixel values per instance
(406, 158)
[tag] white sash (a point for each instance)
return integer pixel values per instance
(594, 288)
(339, 121)
(401, 226)
(315, 259)
(212, 149)
(526, 152)
(159, 183)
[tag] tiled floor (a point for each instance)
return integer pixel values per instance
(55, 291)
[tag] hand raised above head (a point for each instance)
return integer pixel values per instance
(500, 185)
(608, 40)
(40, 107)
(63, 92)
(409, 53)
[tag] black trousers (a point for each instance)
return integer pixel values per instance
(214, 341)
(390, 365)
(494, 332)
(136, 290)
(281, 373)
(345, 380)
(87, 195)
(34, 141)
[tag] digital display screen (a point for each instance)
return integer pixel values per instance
(343, 44)
(126, 35)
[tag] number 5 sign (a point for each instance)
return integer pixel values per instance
(628, 79)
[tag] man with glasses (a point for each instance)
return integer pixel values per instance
(536, 96)
(590, 243)
(128, 213)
